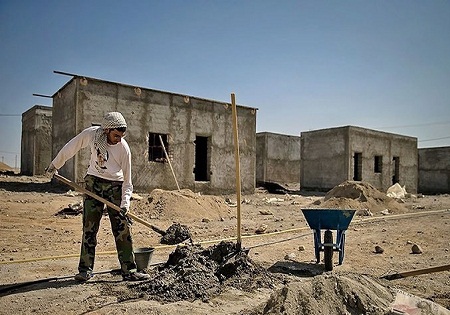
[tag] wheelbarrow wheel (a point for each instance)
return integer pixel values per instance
(328, 250)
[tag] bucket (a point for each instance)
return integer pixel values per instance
(142, 257)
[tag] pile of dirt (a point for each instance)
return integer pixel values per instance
(332, 294)
(5, 169)
(192, 273)
(181, 205)
(359, 196)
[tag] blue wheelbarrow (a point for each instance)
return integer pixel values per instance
(328, 220)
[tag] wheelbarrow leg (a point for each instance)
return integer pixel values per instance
(341, 245)
(317, 244)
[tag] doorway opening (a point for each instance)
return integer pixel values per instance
(357, 166)
(396, 176)
(202, 163)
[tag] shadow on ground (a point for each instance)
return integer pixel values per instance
(295, 268)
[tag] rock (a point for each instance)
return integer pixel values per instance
(290, 256)
(262, 229)
(265, 212)
(416, 249)
(379, 249)
(301, 248)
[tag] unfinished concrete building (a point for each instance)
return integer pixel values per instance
(332, 156)
(196, 133)
(36, 143)
(434, 170)
(277, 158)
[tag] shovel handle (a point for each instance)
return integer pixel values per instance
(107, 202)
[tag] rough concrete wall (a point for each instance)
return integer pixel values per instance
(182, 118)
(327, 157)
(434, 170)
(373, 143)
(280, 155)
(36, 140)
(64, 125)
(323, 157)
(27, 144)
(261, 156)
(406, 149)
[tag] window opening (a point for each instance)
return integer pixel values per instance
(155, 149)
(396, 176)
(201, 169)
(378, 164)
(357, 166)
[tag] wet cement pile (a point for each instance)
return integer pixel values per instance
(192, 273)
(175, 234)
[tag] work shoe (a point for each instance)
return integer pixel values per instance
(84, 276)
(135, 276)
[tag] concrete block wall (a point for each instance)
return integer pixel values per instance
(327, 158)
(84, 101)
(434, 170)
(36, 140)
(277, 157)
(324, 158)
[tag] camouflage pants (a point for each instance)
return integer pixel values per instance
(92, 214)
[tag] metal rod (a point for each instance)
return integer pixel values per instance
(42, 95)
(66, 73)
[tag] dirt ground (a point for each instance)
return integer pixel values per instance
(41, 233)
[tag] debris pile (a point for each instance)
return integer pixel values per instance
(192, 272)
(359, 196)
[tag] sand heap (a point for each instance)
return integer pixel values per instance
(4, 168)
(358, 196)
(181, 205)
(192, 272)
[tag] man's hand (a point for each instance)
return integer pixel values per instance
(50, 171)
(123, 214)
(124, 211)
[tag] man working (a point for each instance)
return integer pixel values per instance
(109, 176)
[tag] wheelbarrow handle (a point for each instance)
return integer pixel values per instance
(108, 203)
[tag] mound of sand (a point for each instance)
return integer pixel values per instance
(181, 205)
(5, 168)
(359, 196)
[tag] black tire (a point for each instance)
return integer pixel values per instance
(328, 250)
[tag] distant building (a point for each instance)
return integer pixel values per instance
(434, 170)
(36, 144)
(197, 135)
(277, 158)
(332, 156)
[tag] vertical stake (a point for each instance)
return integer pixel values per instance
(238, 171)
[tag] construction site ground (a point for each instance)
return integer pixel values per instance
(40, 244)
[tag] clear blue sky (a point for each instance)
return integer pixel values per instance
(306, 65)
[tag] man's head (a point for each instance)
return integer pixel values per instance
(114, 126)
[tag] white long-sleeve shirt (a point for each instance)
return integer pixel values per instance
(116, 168)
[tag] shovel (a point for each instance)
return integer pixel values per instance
(108, 203)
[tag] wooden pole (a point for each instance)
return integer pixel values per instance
(107, 202)
(168, 160)
(416, 272)
(238, 170)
